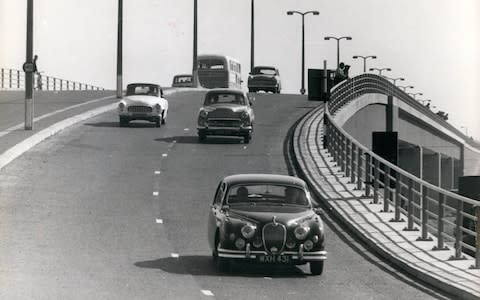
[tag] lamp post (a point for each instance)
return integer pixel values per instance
(415, 94)
(348, 38)
(364, 60)
(303, 14)
(195, 45)
(119, 49)
(380, 70)
(252, 37)
(423, 101)
(405, 87)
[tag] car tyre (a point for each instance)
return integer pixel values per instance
(163, 118)
(123, 122)
(158, 122)
(316, 267)
(247, 138)
(222, 264)
(202, 137)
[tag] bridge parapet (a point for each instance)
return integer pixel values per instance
(12, 79)
(436, 211)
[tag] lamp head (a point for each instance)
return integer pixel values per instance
(315, 13)
(289, 12)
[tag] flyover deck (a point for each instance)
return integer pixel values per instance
(374, 227)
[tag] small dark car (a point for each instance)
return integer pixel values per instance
(184, 80)
(265, 218)
(226, 112)
(264, 78)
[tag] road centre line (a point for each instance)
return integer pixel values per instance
(207, 293)
(21, 125)
(155, 193)
(159, 221)
(175, 255)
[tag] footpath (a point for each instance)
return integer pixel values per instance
(366, 221)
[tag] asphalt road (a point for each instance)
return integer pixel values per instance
(80, 217)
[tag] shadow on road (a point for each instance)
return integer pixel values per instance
(190, 139)
(117, 124)
(198, 265)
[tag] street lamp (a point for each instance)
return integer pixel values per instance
(380, 70)
(195, 44)
(120, 50)
(315, 13)
(395, 79)
(364, 60)
(405, 87)
(423, 101)
(415, 94)
(252, 37)
(338, 44)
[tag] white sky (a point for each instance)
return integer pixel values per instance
(434, 44)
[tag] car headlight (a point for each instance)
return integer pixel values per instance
(239, 243)
(121, 106)
(301, 232)
(158, 107)
(248, 231)
(203, 114)
(308, 245)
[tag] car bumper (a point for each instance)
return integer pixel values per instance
(295, 256)
(237, 131)
(140, 116)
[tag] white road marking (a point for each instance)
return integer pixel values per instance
(186, 129)
(244, 147)
(267, 278)
(157, 172)
(164, 154)
(207, 293)
(175, 255)
(155, 193)
(159, 221)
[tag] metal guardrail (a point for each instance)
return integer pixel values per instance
(12, 79)
(436, 211)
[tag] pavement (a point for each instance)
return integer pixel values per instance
(367, 222)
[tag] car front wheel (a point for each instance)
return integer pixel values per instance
(316, 267)
(123, 122)
(222, 264)
(247, 138)
(158, 122)
(202, 137)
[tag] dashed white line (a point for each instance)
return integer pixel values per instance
(207, 293)
(157, 172)
(186, 129)
(174, 255)
(155, 193)
(244, 147)
(159, 221)
(267, 278)
(164, 154)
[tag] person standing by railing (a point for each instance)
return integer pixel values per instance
(35, 71)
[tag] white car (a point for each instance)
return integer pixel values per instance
(143, 101)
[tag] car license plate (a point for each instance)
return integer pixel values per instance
(274, 259)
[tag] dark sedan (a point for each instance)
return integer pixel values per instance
(264, 78)
(267, 219)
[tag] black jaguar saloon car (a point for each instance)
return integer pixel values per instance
(265, 218)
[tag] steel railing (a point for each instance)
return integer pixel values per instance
(435, 211)
(11, 79)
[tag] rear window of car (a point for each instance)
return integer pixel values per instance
(264, 71)
(215, 98)
(216, 64)
(147, 89)
(267, 194)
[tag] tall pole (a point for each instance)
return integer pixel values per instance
(338, 53)
(195, 44)
(119, 50)
(302, 90)
(364, 65)
(252, 38)
(29, 72)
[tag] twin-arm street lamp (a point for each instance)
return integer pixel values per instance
(380, 70)
(303, 14)
(425, 101)
(395, 79)
(415, 94)
(348, 38)
(405, 87)
(364, 60)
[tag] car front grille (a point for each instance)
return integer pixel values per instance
(274, 236)
(139, 109)
(223, 123)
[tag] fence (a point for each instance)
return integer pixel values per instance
(436, 211)
(11, 79)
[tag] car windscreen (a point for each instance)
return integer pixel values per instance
(269, 194)
(224, 98)
(264, 71)
(183, 79)
(145, 89)
(212, 64)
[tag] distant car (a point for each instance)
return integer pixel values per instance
(264, 78)
(143, 101)
(226, 112)
(265, 218)
(185, 80)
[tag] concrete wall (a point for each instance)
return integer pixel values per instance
(472, 162)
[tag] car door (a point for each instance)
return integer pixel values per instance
(214, 215)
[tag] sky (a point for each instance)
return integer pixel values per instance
(433, 44)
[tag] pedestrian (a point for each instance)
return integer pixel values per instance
(35, 72)
(340, 73)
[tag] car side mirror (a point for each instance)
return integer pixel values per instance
(319, 211)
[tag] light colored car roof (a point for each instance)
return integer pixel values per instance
(264, 178)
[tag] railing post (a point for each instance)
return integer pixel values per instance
(458, 231)
(424, 234)
(398, 194)
(375, 180)
(410, 202)
(3, 78)
(348, 157)
(344, 153)
(386, 189)
(440, 229)
(352, 161)
(368, 175)
(10, 78)
(359, 168)
(477, 252)
(61, 84)
(18, 79)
